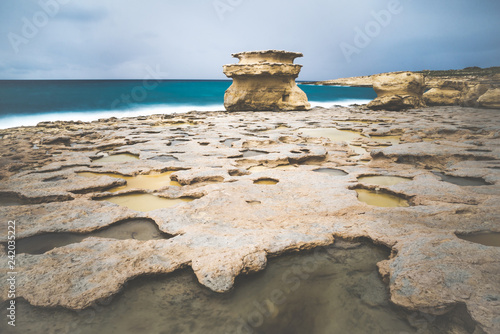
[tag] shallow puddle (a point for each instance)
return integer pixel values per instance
(117, 158)
(145, 202)
(383, 180)
(381, 199)
(150, 181)
(328, 290)
(462, 181)
(486, 239)
(139, 229)
(266, 181)
(10, 200)
(164, 158)
(229, 142)
(331, 171)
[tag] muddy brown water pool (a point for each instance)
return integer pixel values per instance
(139, 229)
(331, 171)
(145, 202)
(149, 181)
(462, 181)
(266, 181)
(10, 200)
(380, 199)
(328, 290)
(486, 239)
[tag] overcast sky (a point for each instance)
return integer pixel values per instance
(192, 39)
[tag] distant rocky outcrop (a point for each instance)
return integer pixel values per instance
(471, 92)
(264, 80)
(490, 99)
(397, 91)
(470, 87)
(363, 81)
(446, 93)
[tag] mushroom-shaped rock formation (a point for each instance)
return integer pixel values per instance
(264, 80)
(397, 91)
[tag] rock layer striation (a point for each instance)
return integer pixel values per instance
(264, 80)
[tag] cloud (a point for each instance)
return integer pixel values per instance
(75, 14)
(193, 39)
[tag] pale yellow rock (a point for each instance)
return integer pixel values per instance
(398, 91)
(472, 94)
(490, 99)
(442, 97)
(453, 92)
(442, 90)
(264, 80)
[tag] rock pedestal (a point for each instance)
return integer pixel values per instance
(264, 80)
(398, 91)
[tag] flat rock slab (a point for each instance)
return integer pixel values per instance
(246, 207)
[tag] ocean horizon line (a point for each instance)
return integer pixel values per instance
(298, 81)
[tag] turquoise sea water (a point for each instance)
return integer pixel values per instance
(27, 102)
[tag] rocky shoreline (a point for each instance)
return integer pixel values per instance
(233, 222)
(470, 87)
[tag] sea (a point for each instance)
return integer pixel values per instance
(28, 102)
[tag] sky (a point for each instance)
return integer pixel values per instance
(192, 39)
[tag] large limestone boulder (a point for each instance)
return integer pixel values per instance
(398, 91)
(264, 80)
(446, 93)
(472, 93)
(490, 99)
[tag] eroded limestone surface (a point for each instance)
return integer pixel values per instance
(233, 224)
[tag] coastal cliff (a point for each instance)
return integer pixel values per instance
(469, 87)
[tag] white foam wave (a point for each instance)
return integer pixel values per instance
(89, 116)
(343, 103)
